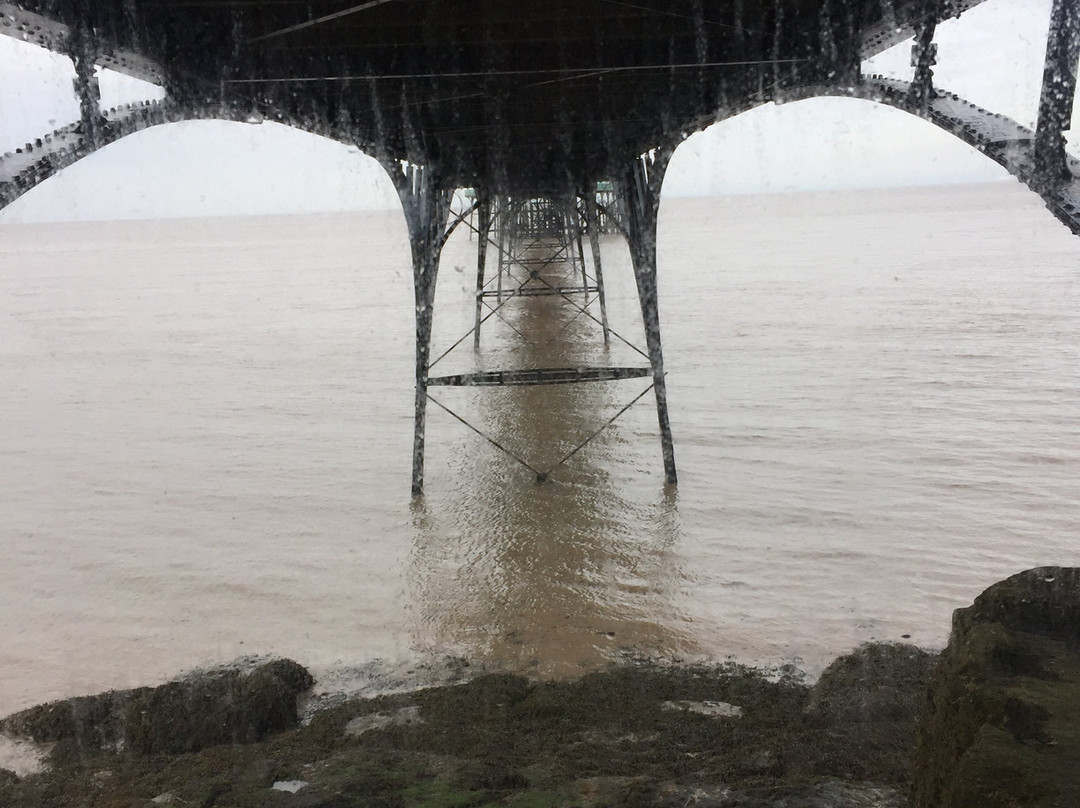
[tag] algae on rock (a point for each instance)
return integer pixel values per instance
(1001, 721)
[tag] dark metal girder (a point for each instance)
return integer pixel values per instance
(463, 81)
(540, 376)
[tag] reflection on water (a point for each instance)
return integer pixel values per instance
(553, 577)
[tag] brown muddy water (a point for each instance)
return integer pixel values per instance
(206, 426)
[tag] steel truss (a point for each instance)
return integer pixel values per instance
(539, 245)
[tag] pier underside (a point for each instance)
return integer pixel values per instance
(525, 98)
(573, 107)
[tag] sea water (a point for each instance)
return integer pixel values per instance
(206, 435)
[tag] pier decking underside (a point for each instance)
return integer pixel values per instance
(526, 97)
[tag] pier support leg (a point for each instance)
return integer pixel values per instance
(1058, 91)
(427, 208)
(577, 228)
(923, 59)
(503, 238)
(483, 229)
(841, 44)
(82, 49)
(640, 190)
(592, 223)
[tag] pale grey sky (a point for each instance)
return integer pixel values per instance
(992, 56)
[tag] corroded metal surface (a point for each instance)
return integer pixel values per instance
(530, 97)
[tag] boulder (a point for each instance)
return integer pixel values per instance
(877, 682)
(867, 701)
(1001, 720)
(239, 703)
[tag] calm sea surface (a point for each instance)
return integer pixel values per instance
(206, 427)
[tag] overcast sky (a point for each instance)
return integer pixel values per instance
(993, 56)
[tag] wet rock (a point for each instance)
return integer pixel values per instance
(1001, 721)
(364, 723)
(877, 682)
(21, 757)
(865, 710)
(713, 709)
(835, 794)
(290, 786)
(763, 762)
(831, 794)
(610, 738)
(490, 776)
(240, 703)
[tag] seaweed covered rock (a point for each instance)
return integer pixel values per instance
(877, 682)
(1001, 721)
(239, 703)
(631, 736)
(868, 700)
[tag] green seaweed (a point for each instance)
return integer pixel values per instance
(616, 737)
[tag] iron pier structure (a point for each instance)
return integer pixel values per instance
(560, 115)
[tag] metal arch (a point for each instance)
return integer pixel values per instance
(54, 35)
(1003, 140)
(27, 167)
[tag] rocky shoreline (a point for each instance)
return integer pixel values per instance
(886, 726)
